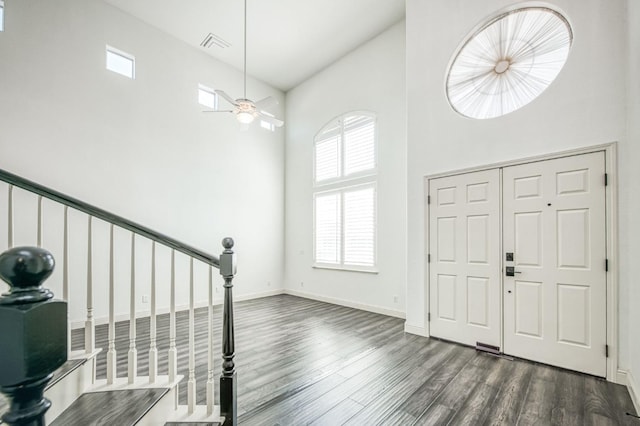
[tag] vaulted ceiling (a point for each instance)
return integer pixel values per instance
(287, 40)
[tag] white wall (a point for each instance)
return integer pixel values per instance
(633, 198)
(370, 78)
(139, 148)
(584, 106)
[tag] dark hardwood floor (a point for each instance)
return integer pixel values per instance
(306, 362)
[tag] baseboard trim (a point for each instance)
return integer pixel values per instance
(349, 304)
(202, 304)
(634, 391)
(165, 310)
(414, 329)
(252, 296)
(621, 377)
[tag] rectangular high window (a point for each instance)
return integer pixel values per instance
(121, 62)
(207, 97)
(267, 125)
(345, 193)
(1, 15)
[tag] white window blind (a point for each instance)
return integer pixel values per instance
(359, 227)
(345, 226)
(328, 158)
(359, 144)
(345, 147)
(328, 230)
(345, 201)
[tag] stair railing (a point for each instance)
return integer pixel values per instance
(226, 264)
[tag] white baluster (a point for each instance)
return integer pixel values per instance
(210, 375)
(173, 353)
(191, 383)
(10, 217)
(133, 352)
(39, 237)
(111, 352)
(153, 350)
(89, 324)
(65, 264)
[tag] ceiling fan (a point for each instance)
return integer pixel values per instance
(245, 109)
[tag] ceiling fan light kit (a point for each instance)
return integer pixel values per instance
(245, 110)
(508, 62)
(245, 117)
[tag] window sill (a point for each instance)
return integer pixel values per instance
(365, 269)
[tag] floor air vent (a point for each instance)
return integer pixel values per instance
(488, 348)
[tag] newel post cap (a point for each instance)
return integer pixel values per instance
(227, 259)
(25, 269)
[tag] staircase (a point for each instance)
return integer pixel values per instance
(78, 395)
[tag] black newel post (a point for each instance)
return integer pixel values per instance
(33, 334)
(228, 385)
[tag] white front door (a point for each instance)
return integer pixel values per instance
(464, 230)
(554, 225)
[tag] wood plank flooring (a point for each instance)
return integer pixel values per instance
(304, 362)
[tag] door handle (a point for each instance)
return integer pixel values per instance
(510, 271)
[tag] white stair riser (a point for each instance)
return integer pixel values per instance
(158, 415)
(68, 389)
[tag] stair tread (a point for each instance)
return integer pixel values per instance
(120, 407)
(58, 375)
(192, 424)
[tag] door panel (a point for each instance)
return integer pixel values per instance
(554, 223)
(464, 272)
(528, 309)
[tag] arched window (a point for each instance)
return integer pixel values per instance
(345, 167)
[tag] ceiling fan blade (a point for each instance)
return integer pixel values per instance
(271, 120)
(217, 110)
(266, 103)
(226, 97)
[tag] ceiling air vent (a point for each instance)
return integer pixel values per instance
(212, 39)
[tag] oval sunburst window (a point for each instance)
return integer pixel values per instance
(508, 62)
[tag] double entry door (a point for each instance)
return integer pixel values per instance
(517, 260)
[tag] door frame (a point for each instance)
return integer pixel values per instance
(611, 228)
